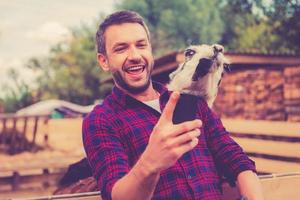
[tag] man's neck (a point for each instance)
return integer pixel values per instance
(149, 94)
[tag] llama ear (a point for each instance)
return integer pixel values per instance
(218, 48)
(226, 63)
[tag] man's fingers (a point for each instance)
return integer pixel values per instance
(187, 126)
(167, 113)
(187, 146)
(186, 137)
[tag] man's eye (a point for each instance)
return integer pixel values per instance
(141, 45)
(120, 49)
(189, 53)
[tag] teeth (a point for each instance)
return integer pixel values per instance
(134, 68)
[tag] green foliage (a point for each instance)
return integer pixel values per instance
(16, 97)
(261, 26)
(245, 30)
(174, 24)
(286, 14)
(240, 25)
(256, 38)
(71, 71)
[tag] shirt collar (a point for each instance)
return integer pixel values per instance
(124, 99)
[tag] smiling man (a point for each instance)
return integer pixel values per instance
(128, 57)
(133, 147)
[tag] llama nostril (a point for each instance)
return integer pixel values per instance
(217, 49)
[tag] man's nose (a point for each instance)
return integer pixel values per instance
(134, 54)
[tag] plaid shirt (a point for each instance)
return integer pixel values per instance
(116, 133)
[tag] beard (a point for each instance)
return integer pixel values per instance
(120, 81)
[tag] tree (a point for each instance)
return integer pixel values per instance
(240, 25)
(71, 71)
(18, 96)
(244, 30)
(260, 26)
(286, 14)
(174, 24)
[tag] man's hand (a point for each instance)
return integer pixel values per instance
(168, 141)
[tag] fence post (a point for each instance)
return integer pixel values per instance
(15, 181)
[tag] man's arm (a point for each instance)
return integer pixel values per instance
(138, 183)
(249, 185)
(230, 158)
(167, 143)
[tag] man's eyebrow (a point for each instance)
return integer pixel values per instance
(141, 40)
(121, 44)
(118, 44)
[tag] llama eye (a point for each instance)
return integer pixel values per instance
(189, 52)
(226, 67)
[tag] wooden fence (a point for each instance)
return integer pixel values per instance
(275, 187)
(42, 171)
(19, 133)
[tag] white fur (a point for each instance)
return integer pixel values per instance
(207, 86)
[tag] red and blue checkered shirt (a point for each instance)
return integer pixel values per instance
(116, 133)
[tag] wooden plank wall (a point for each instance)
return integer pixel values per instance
(292, 93)
(267, 93)
(274, 146)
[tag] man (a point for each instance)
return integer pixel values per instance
(134, 149)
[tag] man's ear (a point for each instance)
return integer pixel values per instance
(103, 62)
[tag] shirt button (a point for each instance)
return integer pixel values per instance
(189, 177)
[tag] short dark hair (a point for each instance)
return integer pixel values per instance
(118, 17)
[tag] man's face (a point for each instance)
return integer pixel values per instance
(128, 56)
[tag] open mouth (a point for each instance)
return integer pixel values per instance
(137, 69)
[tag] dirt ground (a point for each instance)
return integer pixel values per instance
(64, 147)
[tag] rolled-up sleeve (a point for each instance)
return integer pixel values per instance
(229, 156)
(104, 151)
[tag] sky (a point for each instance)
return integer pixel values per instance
(29, 27)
